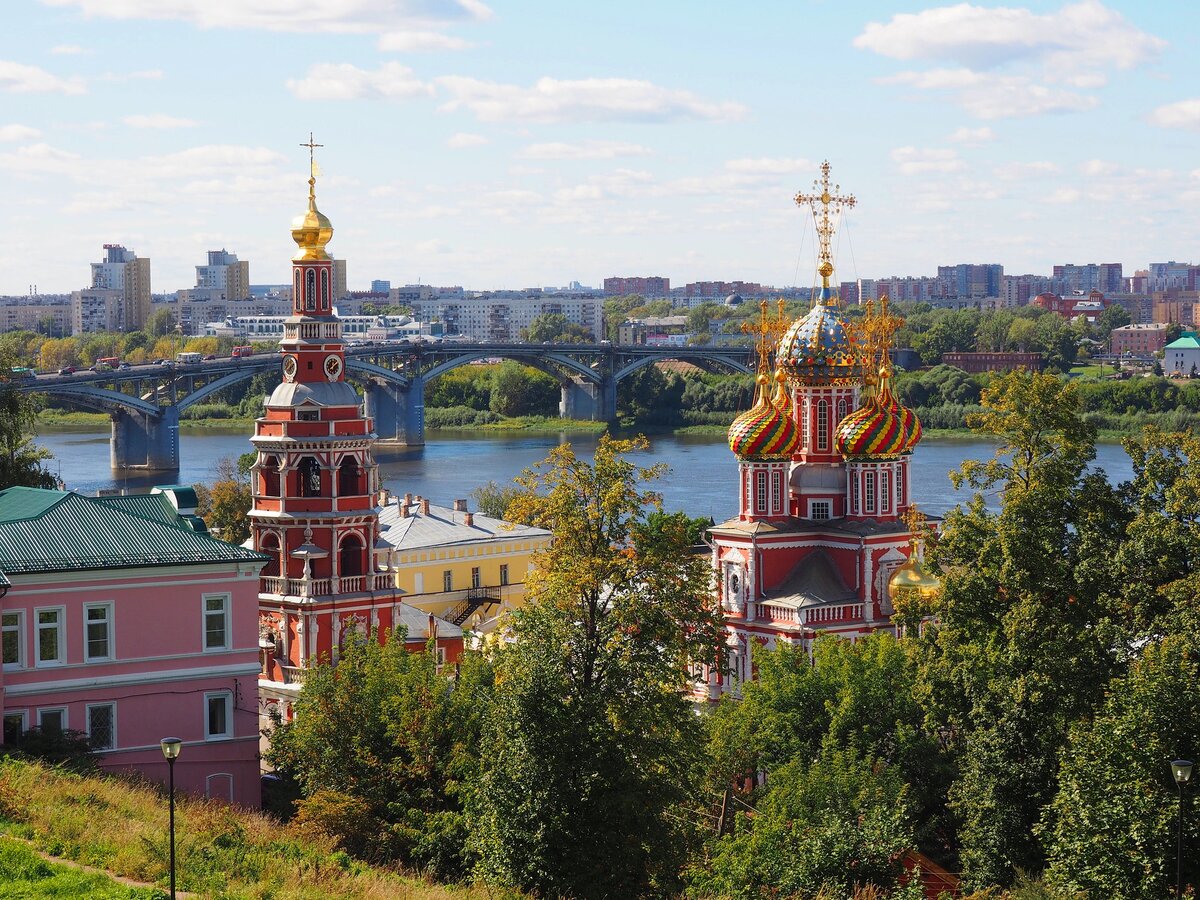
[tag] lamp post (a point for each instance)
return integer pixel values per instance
(170, 748)
(1181, 769)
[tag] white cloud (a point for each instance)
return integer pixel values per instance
(157, 120)
(1064, 195)
(17, 78)
(1095, 168)
(1075, 46)
(578, 193)
(918, 161)
(584, 100)
(1086, 35)
(10, 133)
(1183, 114)
(418, 41)
(138, 75)
(770, 166)
(67, 50)
(990, 96)
(329, 16)
(432, 247)
(584, 150)
(343, 81)
(972, 137)
(463, 139)
(1015, 171)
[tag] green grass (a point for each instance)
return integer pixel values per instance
(120, 826)
(24, 874)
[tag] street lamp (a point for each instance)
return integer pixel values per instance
(1182, 770)
(170, 748)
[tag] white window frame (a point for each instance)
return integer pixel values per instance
(476, 577)
(110, 638)
(900, 472)
(885, 490)
(23, 713)
(869, 492)
(226, 605)
(825, 506)
(19, 629)
(112, 726)
(227, 697)
(42, 710)
(822, 425)
(760, 492)
(37, 636)
(503, 573)
(447, 580)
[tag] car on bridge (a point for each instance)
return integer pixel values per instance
(67, 370)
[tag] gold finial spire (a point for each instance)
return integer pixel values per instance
(312, 231)
(915, 520)
(766, 331)
(831, 203)
(880, 330)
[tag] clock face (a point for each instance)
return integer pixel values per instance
(289, 368)
(333, 367)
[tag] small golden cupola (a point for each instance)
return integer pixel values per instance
(913, 580)
(312, 230)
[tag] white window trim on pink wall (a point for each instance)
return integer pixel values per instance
(60, 624)
(226, 604)
(109, 621)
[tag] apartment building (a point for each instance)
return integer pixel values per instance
(501, 316)
(126, 274)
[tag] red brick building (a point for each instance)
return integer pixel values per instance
(1141, 339)
(993, 362)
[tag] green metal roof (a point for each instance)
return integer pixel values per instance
(54, 531)
(1185, 342)
(152, 506)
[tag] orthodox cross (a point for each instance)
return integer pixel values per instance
(858, 331)
(915, 520)
(312, 164)
(831, 202)
(764, 331)
(880, 330)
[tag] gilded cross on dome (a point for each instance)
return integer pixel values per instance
(766, 332)
(833, 203)
(312, 162)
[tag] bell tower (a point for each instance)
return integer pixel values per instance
(315, 477)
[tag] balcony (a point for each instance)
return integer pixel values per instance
(327, 587)
(294, 674)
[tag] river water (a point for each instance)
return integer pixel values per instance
(701, 481)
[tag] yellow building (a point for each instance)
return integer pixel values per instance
(462, 567)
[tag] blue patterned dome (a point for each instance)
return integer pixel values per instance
(817, 350)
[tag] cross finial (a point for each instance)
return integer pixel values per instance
(767, 331)
(311, 160)
(831, 202)
(915, 520)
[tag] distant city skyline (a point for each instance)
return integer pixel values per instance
(512, 146)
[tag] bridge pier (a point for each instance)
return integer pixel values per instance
(145, 442)
(399, 413)
(588, 400)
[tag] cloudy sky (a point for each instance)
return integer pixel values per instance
(500, 143)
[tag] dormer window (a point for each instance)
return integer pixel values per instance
(308, 415)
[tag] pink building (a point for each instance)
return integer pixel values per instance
(124, 620)
(1139, 338)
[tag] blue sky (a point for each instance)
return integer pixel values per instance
(494, 144)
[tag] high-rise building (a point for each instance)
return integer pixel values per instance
(339, 280)
(1107, 278)
(380, 286)
(969, 280)
(121, 284)
(225, 277)
(646, 286)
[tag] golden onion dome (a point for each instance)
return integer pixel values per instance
(764, 431)
(817, 349)
(313, 230)
(913, 577)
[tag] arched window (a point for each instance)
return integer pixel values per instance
(349, 477)
(350, 556)
(325, 297)
(822, 425)
(841, 409)
(310, 289)
(804, 424)
(309, 478)
(270, 546)
(297, 293)
(268, 476)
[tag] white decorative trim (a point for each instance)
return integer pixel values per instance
(160, 677)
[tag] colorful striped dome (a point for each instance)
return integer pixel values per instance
(817, 350)
(881, 428)
(764, 431)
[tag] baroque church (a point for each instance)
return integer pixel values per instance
(826, 536)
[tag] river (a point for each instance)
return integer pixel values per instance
(701, 481)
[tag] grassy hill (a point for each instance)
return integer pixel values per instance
(121, 826)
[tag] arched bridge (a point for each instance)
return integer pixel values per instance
(145, 401)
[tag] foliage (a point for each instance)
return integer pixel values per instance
(25, 874)
(160, 322)
(493, 499)
(225, 506)
(833, 824)
(651, 395)
(382, 747)
(591, 743)
(1111, 828)
(22, 463)
(518, 390)
(69, 749)
(555, 328)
